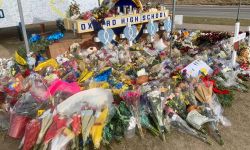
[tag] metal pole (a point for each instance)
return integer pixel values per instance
(238, 13)
(172, 26)
(20, 9)
(249, 36)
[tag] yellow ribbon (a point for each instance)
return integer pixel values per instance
(85, 75)
(19, 59)
(51, 62)
(1, 3)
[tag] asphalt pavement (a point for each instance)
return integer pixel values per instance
(213, 11)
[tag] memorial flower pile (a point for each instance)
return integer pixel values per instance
(89, 97)
(77, 103)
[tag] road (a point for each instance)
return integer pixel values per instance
(213, 11)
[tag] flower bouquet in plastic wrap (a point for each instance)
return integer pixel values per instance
(119, 123)
(132, 99)
(156, 102)
(181, 125)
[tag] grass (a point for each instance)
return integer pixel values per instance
(214, 21)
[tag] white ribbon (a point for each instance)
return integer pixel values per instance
(106, 37)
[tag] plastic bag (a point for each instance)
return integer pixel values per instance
(95, 98)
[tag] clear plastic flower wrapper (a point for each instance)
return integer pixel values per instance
(156, 102)
(213, 126)
(94, 98)
(46, 121)
(181, 125)
(218, 111)
(37, 87)
(28, 106)
(197, 120)
(132, 99)
(130, 131)
(4, 121)
(60, 96)
(232, 80)
(60, 141)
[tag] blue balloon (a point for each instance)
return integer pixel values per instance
(106, 36)
(168, 25)
(130, 32)
(152, 28)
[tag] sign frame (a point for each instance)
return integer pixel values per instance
(2, 14)
(83, 26)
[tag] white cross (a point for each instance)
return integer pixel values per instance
(235, 39)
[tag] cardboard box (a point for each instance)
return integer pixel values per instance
(61, 47)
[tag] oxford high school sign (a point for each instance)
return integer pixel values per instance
(83, 26)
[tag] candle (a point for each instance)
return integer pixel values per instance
(135, 11)
(162, 7)
(96, 39)
(130, 9)
(118, 10)
(124, 10)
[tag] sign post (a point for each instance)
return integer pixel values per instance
(20, 9)
(172, 27)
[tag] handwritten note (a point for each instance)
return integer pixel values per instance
(197, 68)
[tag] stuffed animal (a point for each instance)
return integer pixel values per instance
(243, 56)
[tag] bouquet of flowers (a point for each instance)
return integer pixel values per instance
(132, 99)
(118, 123)
(181, 125)
(156, 103)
